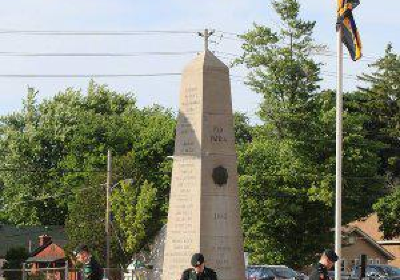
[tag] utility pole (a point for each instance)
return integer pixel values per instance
(206, 34)
(107, 220)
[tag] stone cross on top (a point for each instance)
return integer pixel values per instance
(206, 34)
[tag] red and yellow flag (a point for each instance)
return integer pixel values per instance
(350, 36)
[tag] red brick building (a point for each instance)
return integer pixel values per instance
(50, 256)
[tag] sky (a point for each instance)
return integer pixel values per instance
(378, 26)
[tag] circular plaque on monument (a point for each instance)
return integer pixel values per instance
(220, 175)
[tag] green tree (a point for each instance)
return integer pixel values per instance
(243, 129)
(283, 222)
(287, 172)
(25, 153)
(388, 210)
(15, 257)
(277, 177)
(380, 99)
(134, 208)
(282, 69)
(86, 217)
(52, 151)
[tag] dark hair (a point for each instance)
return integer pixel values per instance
(331, 255)
(81, 248)
(197, 259)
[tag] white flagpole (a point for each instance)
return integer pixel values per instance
(339, 137)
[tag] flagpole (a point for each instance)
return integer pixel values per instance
(339, 137)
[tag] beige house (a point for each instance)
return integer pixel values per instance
(363, 237)
(370, 226)
(358, 243)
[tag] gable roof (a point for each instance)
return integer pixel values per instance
(35, 256)
(13, 236)
(40, 248)
(370, 225)
(48, 259)
(371, 241)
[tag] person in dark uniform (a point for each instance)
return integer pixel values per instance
(326, 262)
(91, 269)
(198, 271)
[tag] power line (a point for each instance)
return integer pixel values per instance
(166, 74)
(163, 197)
(228, 33)
(37, 230)
(122, 54)
(95, 32)
(41, 198)
(272, 194)
(227, 36)
(297, 175)
(326, 53)
(88, 75)
(132, 54)
(34, 170)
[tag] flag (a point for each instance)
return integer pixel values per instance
(350, 36)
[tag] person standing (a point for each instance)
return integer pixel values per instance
(326, 262)
(198, 271)
(91, 269)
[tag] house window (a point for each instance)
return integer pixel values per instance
(370, 261)
(352, 239)
(343, 264)
(357, 261)
(377, 261)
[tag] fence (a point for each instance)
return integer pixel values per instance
(67, 273)
(129, 274)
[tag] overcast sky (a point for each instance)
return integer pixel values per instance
(377, 25)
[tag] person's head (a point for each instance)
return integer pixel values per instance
(329, 258)
(198, 262)
(82, 253)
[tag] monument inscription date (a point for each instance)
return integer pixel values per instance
(218, 136)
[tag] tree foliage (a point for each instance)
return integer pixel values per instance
(281, 67)
(53, 155)
(15, 257)
(86, 218)
(388, 209)
(243, 129)
(287, 172)
(54, 160)
(134, 211)
(381, 101)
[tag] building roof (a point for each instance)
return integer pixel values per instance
(370, 225)
(370, 240)
(40, 248)
(13, 236)
(46, 259)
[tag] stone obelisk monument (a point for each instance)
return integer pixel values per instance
(204, 210)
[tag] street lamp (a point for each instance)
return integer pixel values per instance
(125, 181)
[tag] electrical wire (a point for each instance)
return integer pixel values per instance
(88, 75)
(42, 198)
(95, 32)
(34, 170)
(107, 54)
